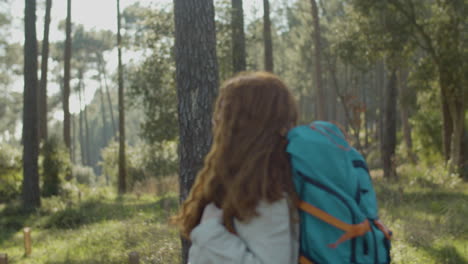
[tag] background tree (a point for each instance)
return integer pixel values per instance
(320, 99)
(238, 36)
(31, 194)
(66, 79)
(122, 162)
(197, 83)
(389, 128)
(268, 48)
(44, 70)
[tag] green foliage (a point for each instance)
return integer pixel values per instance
(151, 82)
(224, 38)
(427, 127)
(143, 161)
(83, 174)
(10, 172)
(101, 229)
(426, 210)
(55, 166)
(152, 87)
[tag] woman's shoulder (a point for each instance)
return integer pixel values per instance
(268, 213)
(279, 206)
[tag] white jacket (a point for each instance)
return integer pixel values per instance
(270, 238)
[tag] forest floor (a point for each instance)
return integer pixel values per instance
(427, 213)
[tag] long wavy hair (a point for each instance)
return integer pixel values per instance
(247, 162)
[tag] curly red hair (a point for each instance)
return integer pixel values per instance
(247, 162)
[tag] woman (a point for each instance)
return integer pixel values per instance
(240, 209)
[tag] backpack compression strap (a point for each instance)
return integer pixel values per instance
(351, 231)
(304, 260)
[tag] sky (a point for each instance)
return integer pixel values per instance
(98, 14)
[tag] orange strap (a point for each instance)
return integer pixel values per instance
(351, 231)
(384, 229)
(304, 260)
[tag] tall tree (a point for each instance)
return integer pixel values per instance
(122, 163)
(389, 130)
(197, 82)
(43, 85)
(269, 65)
(238, 36)
(320, 100)
(66, 79)
(84, 130)
(102, 70)
(103, 111)
(31, 193)
(404, 97)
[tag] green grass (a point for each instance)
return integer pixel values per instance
(101, 229)
(428, 213)
(426, 209)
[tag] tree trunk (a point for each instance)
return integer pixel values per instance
(320, 99)
(389, 128)
(66, 80)
(238, 36)
(103, 112)
(447, 124)
(366, 111)
(43, 85)
(109, 101)
(30, 193)
(197, 83)
(104, 123)
(381, 91)
(122, 163)
(82, 141)
(404, 113)
(453, 109)
(269, 65)
(73, 137)
(87, 146)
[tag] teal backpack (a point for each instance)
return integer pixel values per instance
(339, 221)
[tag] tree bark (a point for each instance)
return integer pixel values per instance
(404, 113)
(43, 85)
(73, 143)
(109, 101)
(82, 140)
(381, 69)
(454, 117)
(66, 79)
(197, 83)
(87, 146)
(238, 37)
(268, 43)
(30, 193)
(103, 113)
(389, 128)
(320, 99)
(122, 162)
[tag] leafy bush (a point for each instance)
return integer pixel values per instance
(55, 166)
(83, 174)
(427, 127)
(67, 218)
(143, 161)
(10, 172)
